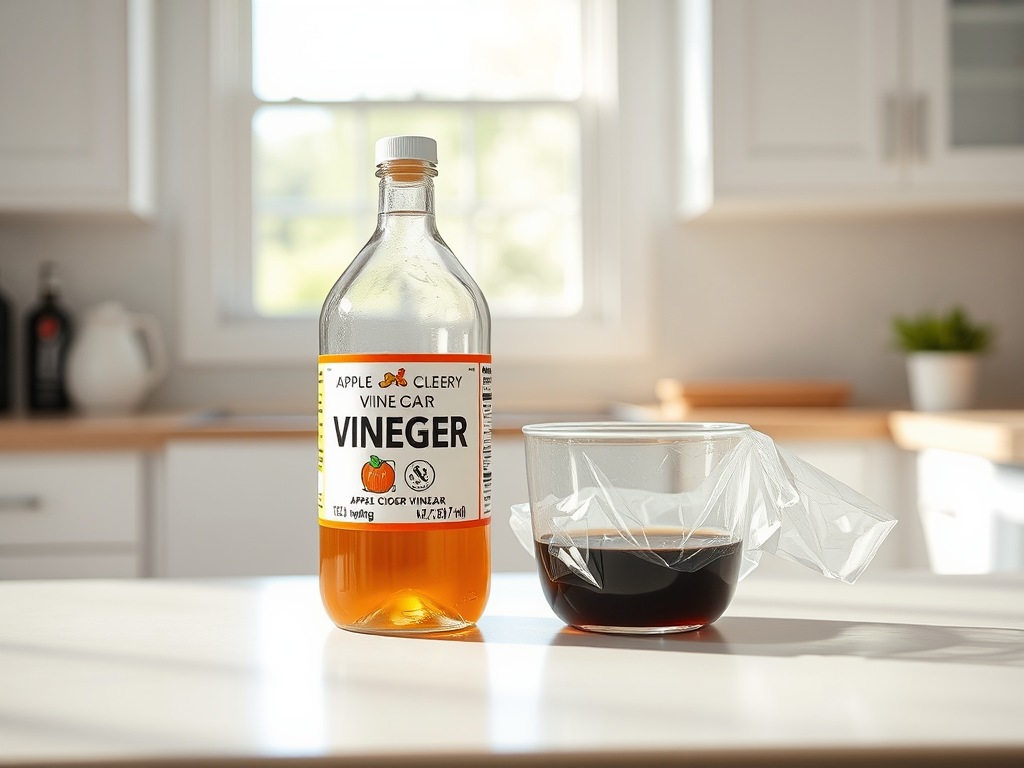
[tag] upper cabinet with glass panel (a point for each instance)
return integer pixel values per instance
(986, 65)
(967, 80)
(852, 104)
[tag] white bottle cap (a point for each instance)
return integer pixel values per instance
(405, 148)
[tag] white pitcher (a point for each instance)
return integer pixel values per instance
(109, 369)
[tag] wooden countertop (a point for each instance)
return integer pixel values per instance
(149, 432)
(900, 669)
(777, 423)
(994, 435)
(145, 432)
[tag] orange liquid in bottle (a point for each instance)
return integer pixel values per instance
(425, 580)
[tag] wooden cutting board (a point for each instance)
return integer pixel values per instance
(752, 393)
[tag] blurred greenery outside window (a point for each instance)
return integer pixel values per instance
(499, 83)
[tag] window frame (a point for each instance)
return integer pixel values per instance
(615, 321)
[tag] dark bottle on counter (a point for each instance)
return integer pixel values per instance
(6, 352)
(49, 337)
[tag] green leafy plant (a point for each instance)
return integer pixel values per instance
(953, 332)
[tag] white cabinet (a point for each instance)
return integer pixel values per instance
(850, 103)
(802, 93)
(66, 515)
(76, 122)
(973, 512)
(238, 508)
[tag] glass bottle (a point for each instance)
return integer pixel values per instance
(404, 420)
(49, 331)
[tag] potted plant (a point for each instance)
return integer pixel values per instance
(942, 358)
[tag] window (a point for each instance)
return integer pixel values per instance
(499, 84)
(525, 110)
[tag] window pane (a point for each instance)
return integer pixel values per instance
(507, 196)
(335, 50)
(303, 154)
(528, 255)
(297, 260)
(526, 154)
(521, 264)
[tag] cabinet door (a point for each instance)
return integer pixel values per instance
(68, 515)
(76, 92)
(805, 96)
(966, 92)
(239, 508)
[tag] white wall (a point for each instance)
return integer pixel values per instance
(771, 297)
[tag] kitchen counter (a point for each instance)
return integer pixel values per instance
(910, 669)
(152, 431)
(143, 432)
(994, 435)
(778, 423)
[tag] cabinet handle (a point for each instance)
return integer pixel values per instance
(891, 129)
(919, 126)
(20, 503)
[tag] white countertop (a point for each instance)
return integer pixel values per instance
(910, 667)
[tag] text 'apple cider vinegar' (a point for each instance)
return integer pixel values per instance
(405, 420)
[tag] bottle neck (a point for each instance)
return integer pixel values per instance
(49, 290)
(407, 187)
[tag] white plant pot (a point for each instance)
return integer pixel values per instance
(942, 381)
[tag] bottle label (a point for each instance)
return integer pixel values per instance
(404, 440)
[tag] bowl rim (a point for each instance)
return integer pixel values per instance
(634, 430)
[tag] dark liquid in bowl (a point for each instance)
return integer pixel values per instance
(638, 593)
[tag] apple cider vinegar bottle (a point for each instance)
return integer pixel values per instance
(405, 420)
